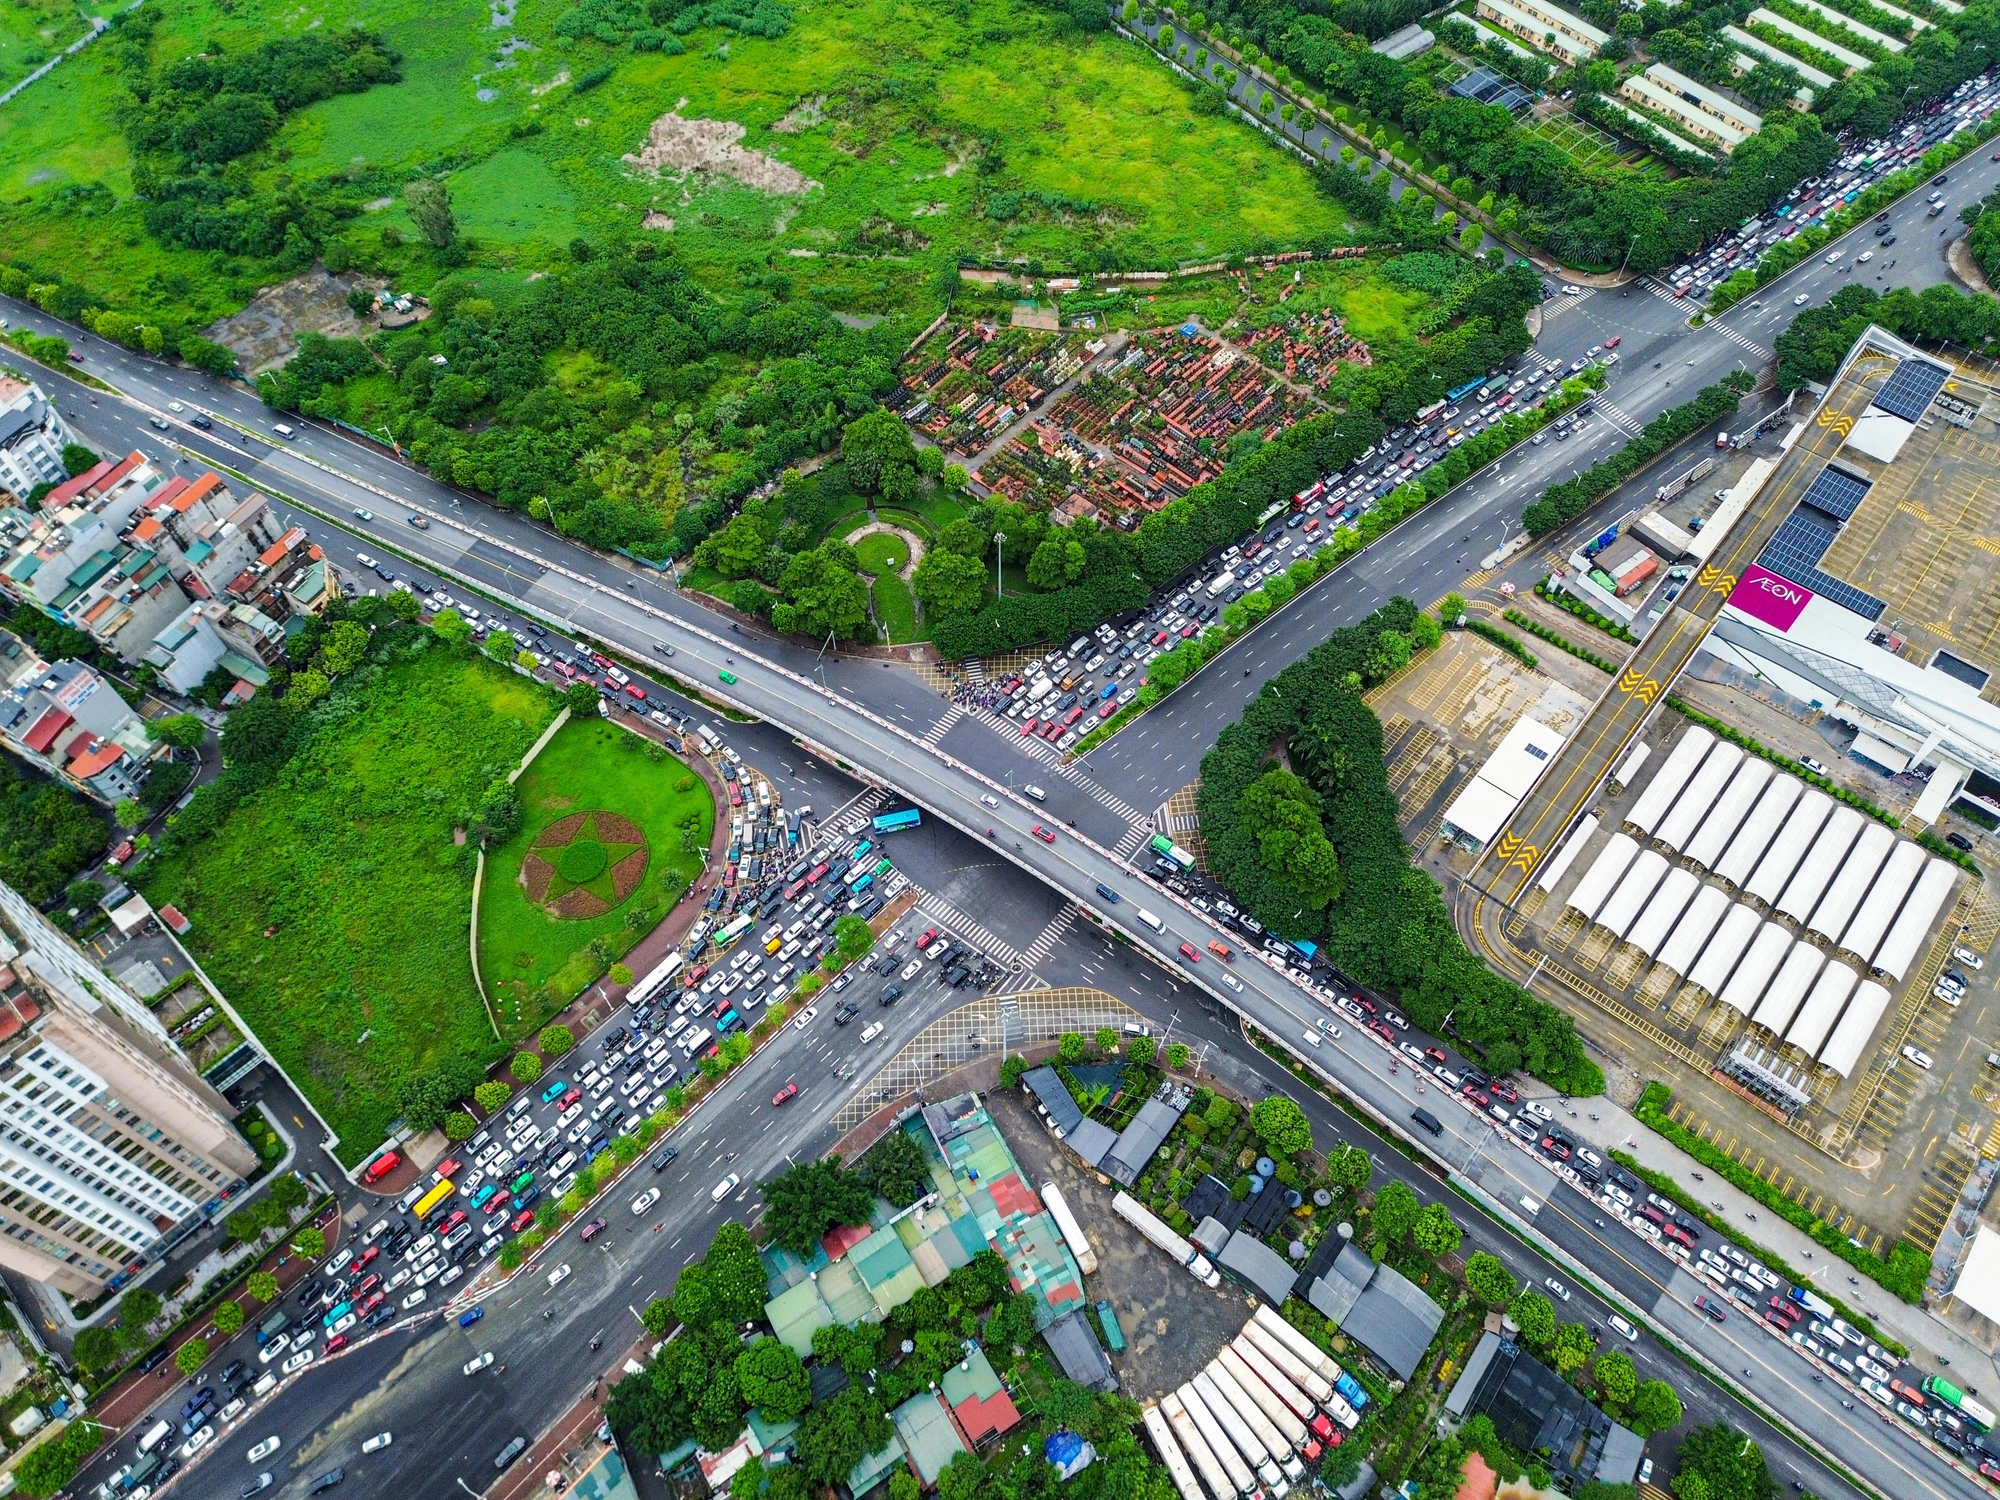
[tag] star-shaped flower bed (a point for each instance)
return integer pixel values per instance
(584, 864)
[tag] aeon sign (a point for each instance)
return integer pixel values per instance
(1763, 595)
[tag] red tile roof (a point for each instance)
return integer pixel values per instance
(165, 493)
(149, 528)
(201, 489)
(69, 489)
(978, 1420)
(97, 755)
(47, 729)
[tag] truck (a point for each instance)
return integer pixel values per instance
(1302, 1348)
(1164, 1444)
(1149, 1224)
(1288, 1364)
(1226, 1453)
(272, 1326)
(1275, 1380)
(1261, 1427)
(1220, 582)
(1238, 1432)
(1072, 1229)
(1287, 1422)
(1812, 1302)
(1632, 577)
(1217, 1478)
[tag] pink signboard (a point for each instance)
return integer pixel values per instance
(1763, 595)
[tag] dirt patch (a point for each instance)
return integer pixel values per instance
(266, 333)
(613, 829)
(561, 831)
(536, 877)
(678, 144)
(554, 83)
(803, 116)
(654, 219)
(627, 873)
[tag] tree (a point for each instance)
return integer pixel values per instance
(229, 1318)
(288, 1193)
(895, 1168)
(526, 1067)
(1572, 1348)
(1728, 1463)
(1105, 1040)
(429, 203)
(1450, 607)
(825, 592)
(1395, 1213)
(580, 698)
(1281, 1125)
(1617, 1377)
(948, 583)
(1141, 1051)
(555, 1040)
(836, 1435)
(309, 1242)
(1282, 814)
(182, 731)
(962, 1477)
(255, 734)
(1535, 1316)
(490, 1096)
(657, 1316)
(1488, 1280)
(449, 626)
(128, 813)
(879, 455)
(345, 645)
(1435, 1232)
(263, 1286)
(805, 1202)
(1655, 1408)
(773, 1379)
(96, 1350)
(854, 937)
(191, 1356)
(44, 1470)
(1059, 560)
(855, 1348)
(1177, 1055)
(903, 1484)
(1069, 1048)
(736, 1273)
(458, 1126)
(137, 1308)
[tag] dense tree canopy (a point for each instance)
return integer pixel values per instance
(806, 1201)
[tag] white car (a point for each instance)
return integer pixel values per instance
(272, 1350)
(378, 1442)
(204, 1435)
(728, 1184)
(645, 1200)
(1556, 1289)
(1034, 794)
(232, 1411)
(1864, 257)
(1834, 255)
(362, 515)
(1802, 299)
(1967, 957)
(1631, 1334)
(989, 799)
(1572, 291)
(1538, 1109)
(345, 1323)
(478, 1362)
(1917, 1055)
(415, 1299)
(559, 1273)
(1312, 1038)
(297, 1362)
(807, 1016)
(265, 1449)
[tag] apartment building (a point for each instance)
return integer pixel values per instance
(1693, 108)
(1568, 38)
(206, 536)
(112, 1148)
(32, 439)
(67, 720)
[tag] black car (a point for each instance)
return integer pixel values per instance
(201, 421)
(381, 1315)
(331, 1478)
(665, 1158)
(1959, 842)
(891, 993)
(847, 1012)
(231, 1370)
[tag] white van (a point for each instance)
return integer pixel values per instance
(1151, 921)
(157, 1434)
(872, 1032)
(282, 430)
(724, 1188)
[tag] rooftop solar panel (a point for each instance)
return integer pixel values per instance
(1795, 550)
(1910, 391)
(1838, 493)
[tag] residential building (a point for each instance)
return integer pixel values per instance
(206, 535)
(32, 439)
(112, 1148)
(67, 720)
(1693, 107)
(1874, 606)
(1759, 50)
(1534, 1410)
(211, 633)
(1566, 37)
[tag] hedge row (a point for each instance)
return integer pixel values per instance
(1501, 639)
(1561, 643)
(1571, 604)
(1902, 1272)
(1563, 502)
(1744, 742)
(1388, 926)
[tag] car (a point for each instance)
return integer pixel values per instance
(559, 1274)
(926, 938)
(1614, 341)
(1572, 291)
(1221, 950)
(1917, 1055)
(378, 1442)
(1712, 1309)
(1833, 256)
(265, 1449)
(730, 1183)
(590, 1232)
(511, 1452)
(988, 799)
(1623, 1328)
(521, 1220)
(1816, 767)
(327, 1481)
(1556, 1289)
(666, 1158)
(1802, 299)
(342, 1324)
(470, 1316)
(645, 1200)
(1187, 952)
(262, 1482)
(362, 515)
(786, 1094)
(1967, 957)
(415, 1299)
(1046, 835)
(1864, 256)
(1034, 794)
(1646, 1471)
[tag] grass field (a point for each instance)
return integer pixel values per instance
(896, 608)
(590, 766)
(914, 119)
(882, 552)
(333, 907)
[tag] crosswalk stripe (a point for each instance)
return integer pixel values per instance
(1046, 940)
(1135, 839)
(959, 924)
(939, 730)
(1071, 771)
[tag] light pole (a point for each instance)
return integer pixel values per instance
(999, 552)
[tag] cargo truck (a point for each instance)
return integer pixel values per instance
(1071, 1227)
(1196, 1447)
(1149, 1224)
(1164, 1444)
(1229, 1437)
(1240, 1478)
(1261, 1427)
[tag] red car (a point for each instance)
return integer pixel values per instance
(372, 1301)
(784, 1095)
(1614, 341)
(603, 662)
(929, 937)
(457, 1218)
(564, 669)
(1107, 710)
(497, 1204)
(573, 1096)
(382, 1166)
(591, 1230)
(1032, 725)
(1160, 639)
(337, 1342)
(368, 1284)
(735, 795)
(449, 1167)
(1046, 835)
(1188, 953)
(633, 690)
(817, 873)
(522, 1220)
(1221, 950)
(368, 1257)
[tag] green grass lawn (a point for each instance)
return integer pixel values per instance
(882, 552)
(535, 963)
(896, 608)
(334, 906)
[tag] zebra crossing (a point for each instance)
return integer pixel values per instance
(934, 908)
(851, 817)
(1134, 840)
(1617, 418)
(1040, 750)
(1741, 340)
(1045, 941)
(952, 714)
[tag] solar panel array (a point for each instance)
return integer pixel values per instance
(1909, 392)
(1794, 552)
(1838, 493)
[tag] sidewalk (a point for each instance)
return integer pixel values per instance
(1929, 1337)
(566, 1447)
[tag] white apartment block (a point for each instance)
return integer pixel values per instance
(1569, 38)
(1700, 112)
(1762, 51)
(32, 438)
